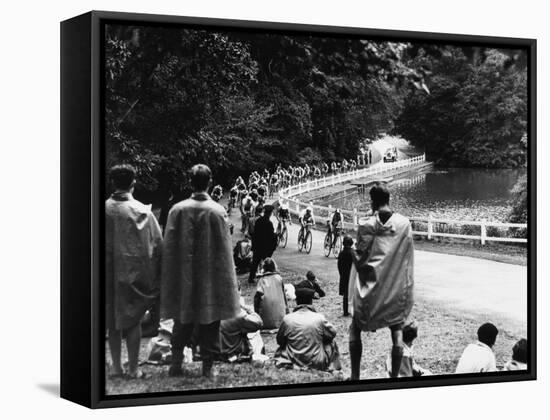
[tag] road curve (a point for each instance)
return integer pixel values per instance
(463, 285)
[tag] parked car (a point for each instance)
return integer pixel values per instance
(390, 155)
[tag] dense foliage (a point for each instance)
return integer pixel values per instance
(476, 112)
(241, 101)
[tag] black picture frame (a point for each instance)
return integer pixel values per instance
(82, 211)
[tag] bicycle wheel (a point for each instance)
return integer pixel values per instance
(284, 237)
(327, 244)
(308, 241)
(300, 241)
(337, 246)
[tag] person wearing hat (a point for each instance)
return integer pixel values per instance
(312, 283)
(306, 338)
(264, 240)
(345, 261)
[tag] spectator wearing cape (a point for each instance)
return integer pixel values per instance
(199, 284)
(381, 279)
(133, 245)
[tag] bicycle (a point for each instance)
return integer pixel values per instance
(231, 205)
(332, 243)
(305, 240)
(282, 234)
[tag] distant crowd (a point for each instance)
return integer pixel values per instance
(192, 267)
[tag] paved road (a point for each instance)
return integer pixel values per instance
(463, 285)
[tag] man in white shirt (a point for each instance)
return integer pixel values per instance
(479, 357)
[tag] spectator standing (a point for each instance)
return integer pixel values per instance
(133, 246)
(381, 280)
(264, 240)
(199, 284)
(345, 261)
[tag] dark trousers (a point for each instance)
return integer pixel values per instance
(346, 304)
(207, 336)
(256, 259)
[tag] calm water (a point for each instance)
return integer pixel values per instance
(465, 194)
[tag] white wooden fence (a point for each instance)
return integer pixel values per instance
(445, 228)
(376, 169)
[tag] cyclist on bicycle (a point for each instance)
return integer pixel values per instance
(273, 183)
(217, 192)
(307, 171)
(345, 165)
(261, 199)
(253, 186)
(335, 224)
(233, 194)
(283, 216)
(316, 172)
(306, 219)
(247, 210)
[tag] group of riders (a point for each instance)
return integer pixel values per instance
(250, 197)
(267, 183)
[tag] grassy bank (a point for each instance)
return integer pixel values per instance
(442, 337)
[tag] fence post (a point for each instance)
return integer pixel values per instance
(298, 207)
(430, 226)
(483, 231)
(354, 217)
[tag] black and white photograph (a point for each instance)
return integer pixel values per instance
(287, 208)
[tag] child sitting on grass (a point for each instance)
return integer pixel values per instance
(519, 356)
(408, 365)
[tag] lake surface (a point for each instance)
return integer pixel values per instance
(455, 193)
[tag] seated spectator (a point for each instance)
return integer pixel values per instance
(408, 365)
(306, 338)
(519, 356)
(479, 357)
(290, 293)
(159, 348)
(312, 283)
(242, 255)
(236, 334)
(270, 299)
